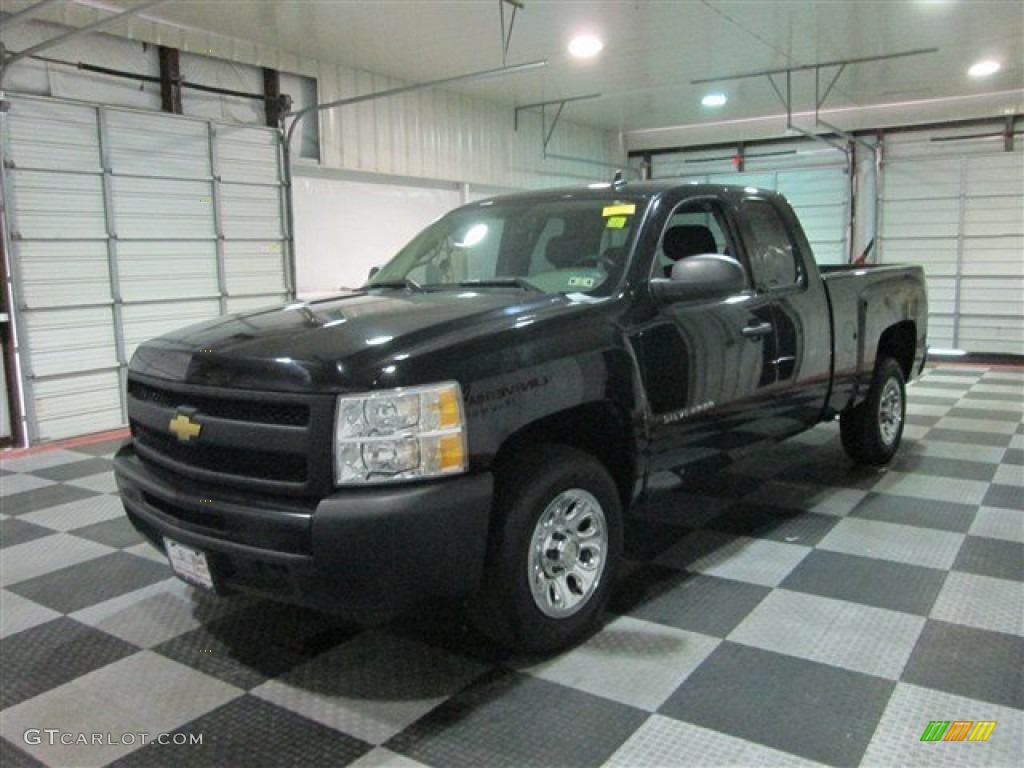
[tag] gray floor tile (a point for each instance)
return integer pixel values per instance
(897, 740)
(981, 602)
(45, 554)
(77, 514)
(251, 732)
(762, 521)
(13, 757)
(813, 710)
(890, 541)
(932, 487)
(41, 460)
(662, 742)
(104, 482)
(629, 661)
(754, 561)
(39, 659)
(999, 523)
(952, 468)
(12, 484)
(93, 581)
(975, 663)
(102, 448)
(514, 720)
(18, 614)
(835, 632)
(867, 581)
(967, 438)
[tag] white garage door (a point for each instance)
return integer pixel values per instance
(124, 225)
(813, 178)
(953, 202)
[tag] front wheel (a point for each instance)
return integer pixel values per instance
(871, 432)
(554, 552)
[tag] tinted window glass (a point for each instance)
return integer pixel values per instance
(772, 256)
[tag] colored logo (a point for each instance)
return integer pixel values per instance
(182, 426)
(958, 730)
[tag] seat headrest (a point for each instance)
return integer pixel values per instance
(562, 251)
(688, 240)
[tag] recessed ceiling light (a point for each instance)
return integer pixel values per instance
(984, 68)
(585, 46)
(714, 100)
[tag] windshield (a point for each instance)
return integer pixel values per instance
(554, 246)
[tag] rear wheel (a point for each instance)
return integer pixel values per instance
(554, 552)
(871, 432)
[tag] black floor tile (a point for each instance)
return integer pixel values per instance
(922, 419)
(692, 602)
(12, 757)
(1009, 496)
(255, 644)
(773, 523)
(817, 711)
(1014, 456)
(253, 733)
(79, 586)
(41, 498)
(879, 583)
(75, 469)
(51, 654)
(119, 533)
(101, 449)
(838, 474)
(916, 399)
(14, 531)
(508, 719)
(991, 557)
(976, 663)
(930, 465)
(967, 437)
(921, 513)
(1009, 397)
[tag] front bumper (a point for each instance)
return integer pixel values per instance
(364, 549)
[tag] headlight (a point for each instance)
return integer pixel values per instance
(399, 434)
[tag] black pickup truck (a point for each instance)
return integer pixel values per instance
(488, 413)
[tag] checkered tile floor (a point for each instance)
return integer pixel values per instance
(799, 611)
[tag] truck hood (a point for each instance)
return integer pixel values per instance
(337, 343)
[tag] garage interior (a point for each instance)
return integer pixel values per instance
(165, 163)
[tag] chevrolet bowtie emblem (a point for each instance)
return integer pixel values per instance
(184, 427)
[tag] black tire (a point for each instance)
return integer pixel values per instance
(871, 432)
(573, 492)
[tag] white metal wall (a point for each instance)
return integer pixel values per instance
(957, 209)
(125, 225)
(814, 179)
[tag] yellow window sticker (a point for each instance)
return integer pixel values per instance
(622, 209)
(616, 222)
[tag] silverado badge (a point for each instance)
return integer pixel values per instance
(184, 427)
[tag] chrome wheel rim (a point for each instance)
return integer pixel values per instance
(890, 412)
(568, 552)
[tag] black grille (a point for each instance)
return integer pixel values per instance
(243, 462)
(258, 412)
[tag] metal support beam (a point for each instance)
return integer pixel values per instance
(806, 67)
(15, 57)
(170, 80)
(25, 13)
(506, 36)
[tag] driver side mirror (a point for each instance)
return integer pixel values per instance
(705, 276)
(373, 272)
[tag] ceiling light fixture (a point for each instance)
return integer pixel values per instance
(585, 46)
(984, 68)
(714, 100)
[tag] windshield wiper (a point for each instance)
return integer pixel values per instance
(406, 282)
(500, 282)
